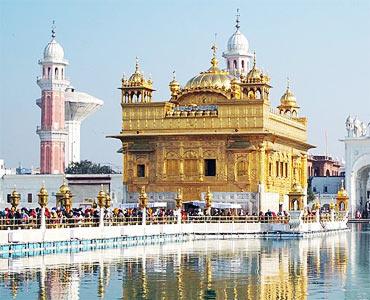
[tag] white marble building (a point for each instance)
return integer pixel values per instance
(357, 156)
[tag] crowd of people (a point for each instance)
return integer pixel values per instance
(31, 217)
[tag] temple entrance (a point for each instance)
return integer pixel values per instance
(357, 143)
(358, 183)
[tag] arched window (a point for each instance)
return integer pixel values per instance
(327, 173)
(49, 70)
(243, 64)
(241, 168)
(56, 74)
(258, 94)
(235, 64)
(62, 77)
(43, 72)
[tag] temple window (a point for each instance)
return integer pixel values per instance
(56, 73)
(241, 168)
(270, 169)
(172, 167)
(277, 169)
(49, 70)
(243, 64)
(29, 197)
(191, 167)
(286, 169)
(281, 169)
(210, 167)
(8, 198)
(235, 64)
(325, 189)
(141, 170)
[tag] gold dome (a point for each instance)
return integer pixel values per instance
(342, 193)
(255, 75)
(137, 79)
(288, 99)
(213, 78)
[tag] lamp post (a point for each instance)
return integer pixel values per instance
(178, 200)
(15, 198)
(61, 196)
(43, 202)
(102, 200)
(208, 199)
(108, 201)
(143, 203)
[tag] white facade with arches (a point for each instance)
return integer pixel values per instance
(357, 156)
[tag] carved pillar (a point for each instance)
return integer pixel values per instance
(304, 171)
(182, 175)
(262, 169)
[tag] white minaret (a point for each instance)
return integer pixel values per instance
(62, 111)
(238, 59)
(53, 84)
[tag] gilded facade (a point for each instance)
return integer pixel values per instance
(219, 130)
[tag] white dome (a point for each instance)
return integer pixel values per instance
(53, 51)
(237, 44)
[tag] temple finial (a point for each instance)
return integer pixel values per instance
(237, 26)
(174, 75)
(53, 30)
(287, 83)
(254, 59)
(137, 64)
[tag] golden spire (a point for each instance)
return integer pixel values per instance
(214, 61)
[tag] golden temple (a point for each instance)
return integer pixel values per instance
(220, 130)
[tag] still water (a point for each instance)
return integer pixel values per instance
(331, 267)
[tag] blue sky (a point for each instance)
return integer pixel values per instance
(323, 46)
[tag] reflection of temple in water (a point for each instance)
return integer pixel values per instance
(222, 269)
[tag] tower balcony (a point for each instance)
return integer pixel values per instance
(52, 83)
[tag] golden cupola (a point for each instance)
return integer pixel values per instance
(174, 87)
(214, 80)
(255, 85)
(137, 88)
(288, 103)
(255, 75)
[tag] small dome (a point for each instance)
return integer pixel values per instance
(53, 51)
(237, 44)
(255, 73)
(288, 99)
(137, 77)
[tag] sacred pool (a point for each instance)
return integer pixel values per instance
(332, 266)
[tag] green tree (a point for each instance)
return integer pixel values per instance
(88, 167)
(310, 195)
